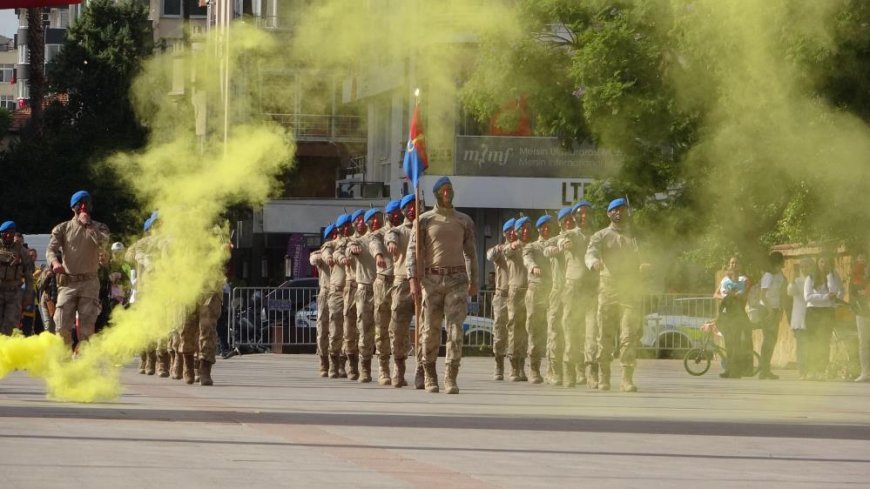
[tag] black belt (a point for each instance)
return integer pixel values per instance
(445, 270)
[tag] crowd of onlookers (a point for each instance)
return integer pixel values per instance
(809, 302)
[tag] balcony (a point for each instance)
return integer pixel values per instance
(315, 127)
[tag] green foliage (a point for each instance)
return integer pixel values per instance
(5, 121)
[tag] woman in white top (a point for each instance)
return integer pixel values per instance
(822, 290)
(772, 291)
(798, 313)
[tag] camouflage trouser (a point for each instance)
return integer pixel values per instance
(365, 309)
(336, 320)
(78, 297)
(580, 324)
(537, 301)
(555, 333)
(351, 334)
(199, 332)
(516, 326)
(499, 322)
(323, 321)
(444, 297)
(383, 290)
(618, 320)
(10, 309)
(401, 312)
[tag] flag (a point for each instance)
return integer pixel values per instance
(416, 162)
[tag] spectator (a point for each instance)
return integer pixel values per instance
(798, 313)
(822, 290)
(772, 292)
(733, 321)
(859, 295)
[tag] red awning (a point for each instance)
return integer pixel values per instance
(4, 4)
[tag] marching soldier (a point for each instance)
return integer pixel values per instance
(555, 333)
(77, 242)
(15, 267)
(337, 281)
(518, 279)
(614, 253)
(367, 252)
(500, 298)
(537, 262)
(317, 259)
(444, 275)
(402, 308)
(383, 292)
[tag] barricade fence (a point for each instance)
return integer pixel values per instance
(284, 319)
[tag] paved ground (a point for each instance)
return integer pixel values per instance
(271, 422)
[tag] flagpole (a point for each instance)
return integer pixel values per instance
(418, 306)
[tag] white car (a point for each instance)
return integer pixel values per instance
(676, 324)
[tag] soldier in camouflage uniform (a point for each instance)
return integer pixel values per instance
(337, 280)
(78, 243)
(536, 258)
(500, 298)
(555, 333)
(368, 253)
(518, 279)
(15, 267)
(351, 331)
(383, 290)
(614, 253)
(402, 308)
(446, 269)
(317, 259)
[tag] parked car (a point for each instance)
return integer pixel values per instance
(676, 324)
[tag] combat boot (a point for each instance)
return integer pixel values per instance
(604, 377)
(419, 377)
(189, 366)
(151, 362)
(499, 368)
(627, 377)
(177, 366)
(450, 385)
(384, 371)
(365, 370)
(556, 373)
(205, 373)
(399, 377)
(521, 369)
(353, 366)
(163, 364)
(569, 379)
(333, 366)
(515, 373)
(580, 372)
(342, 371)
(535, 371)
(324, 366)
(431, 377)
(143, 360)
(196, 364)
(592, 377)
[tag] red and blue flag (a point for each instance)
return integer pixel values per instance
(416, 162)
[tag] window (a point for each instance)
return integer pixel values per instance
(51, 51)
(7, 102)
(172, 8)
(6, 73)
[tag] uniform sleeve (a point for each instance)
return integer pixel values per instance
(469, 246)
(315, 259)
(377, 247)
(411, 252)
(494, 253)
(55, 244)
(529, 256)
(100, 233)
(593, 251)
(392, 236)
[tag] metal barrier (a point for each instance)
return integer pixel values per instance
(671, 323)
(272, 318)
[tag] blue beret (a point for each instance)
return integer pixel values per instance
(543, 220)
(78, 197)
(329, 229)
(616, 203)
(582, 203)
(406, 200)
(6, 226)
(564, 212)
(356, 214)
(342, 220)
(440, 183)
(391, 206)
(520, 222)
(508, 225)
(371, 213)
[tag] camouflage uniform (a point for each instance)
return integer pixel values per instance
(499, 308)
(337, 279)
(516, 306)
(579, 316)
(555, 333)
(15, 269)
(447, 263)
(383, 295)
(366, 270)
(318, 260)
(198, 337)
(78, 286)
(402, 305)
(616, 251)
(537, 297)
(351, 333)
